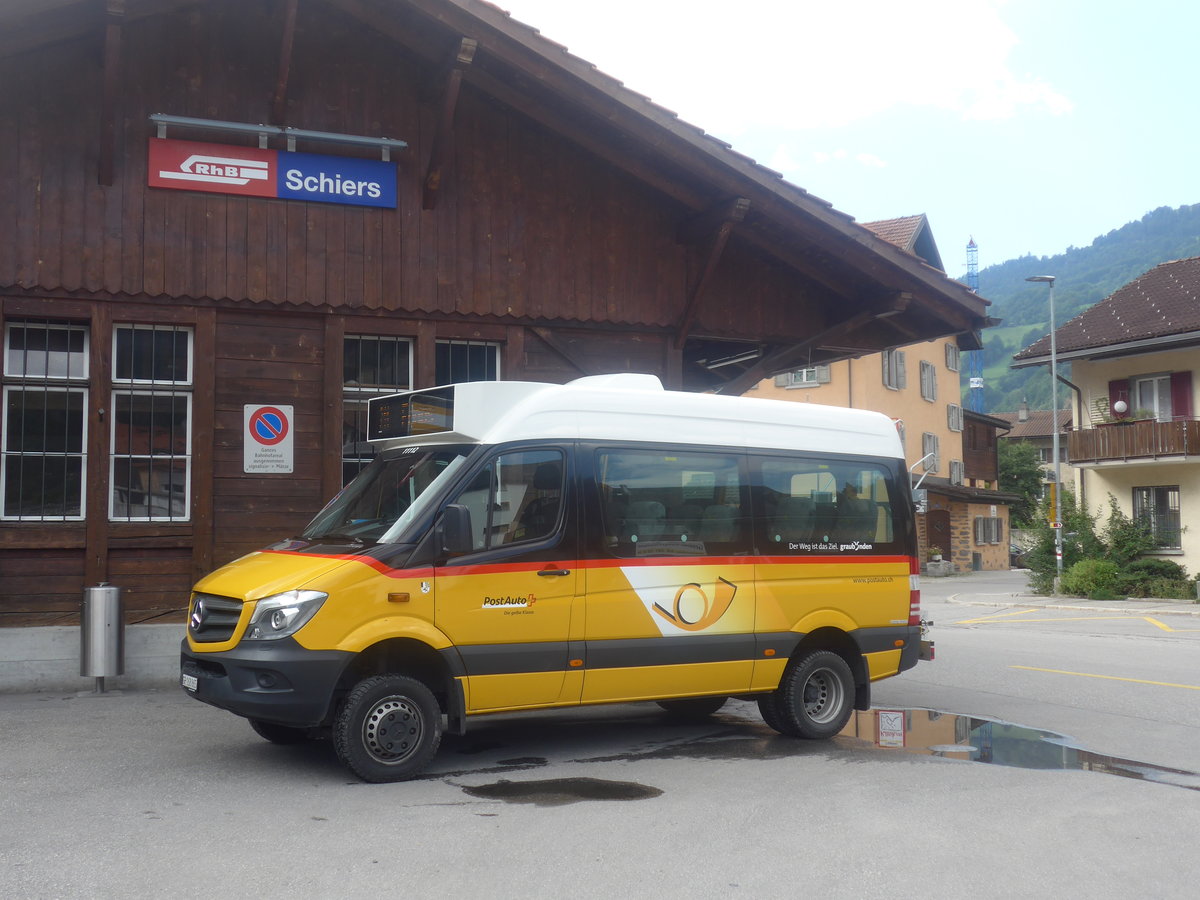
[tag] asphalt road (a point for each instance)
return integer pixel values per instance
(151, 794)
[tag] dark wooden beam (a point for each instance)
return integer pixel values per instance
(286, 42)
(718, 224)
(114, 17)
(461, 57)
(788, 357)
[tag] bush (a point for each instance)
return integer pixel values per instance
(1161, 579)
(1091, 577)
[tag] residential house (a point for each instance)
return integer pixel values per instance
(1034, 426)
(1134, 360)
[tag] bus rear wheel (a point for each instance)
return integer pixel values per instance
(388, 728)
(815, 698)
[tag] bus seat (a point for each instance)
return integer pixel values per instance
(720, 524)
(793, 520)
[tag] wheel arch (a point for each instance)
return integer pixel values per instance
(414, 658)
(837, 641)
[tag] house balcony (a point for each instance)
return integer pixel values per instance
(1134, 443)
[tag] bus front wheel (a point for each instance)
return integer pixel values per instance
(388, 729)
(815, 698)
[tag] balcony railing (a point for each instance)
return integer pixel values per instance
(1134, 441)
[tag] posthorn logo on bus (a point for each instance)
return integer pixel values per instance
(251, 172)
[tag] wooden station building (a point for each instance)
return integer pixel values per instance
(224, 224)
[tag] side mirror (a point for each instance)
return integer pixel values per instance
(921, 500)
(456, 530)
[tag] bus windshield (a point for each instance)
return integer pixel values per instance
(387, 495)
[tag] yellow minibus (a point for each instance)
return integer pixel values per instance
(519, 546)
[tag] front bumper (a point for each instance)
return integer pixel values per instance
(279, 681)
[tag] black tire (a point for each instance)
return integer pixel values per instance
(693, 707)
(388, 729)
(815, 698)
(279, 734)
(768, 707)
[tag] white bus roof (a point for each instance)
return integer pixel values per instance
(633, 407)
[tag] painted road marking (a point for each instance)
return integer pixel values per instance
(1009, 619)
(1189, 687)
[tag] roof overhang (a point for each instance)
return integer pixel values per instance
(1111, 351)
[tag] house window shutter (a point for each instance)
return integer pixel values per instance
(1181, 395)
(1118, 390)
(901, 370)
(783, 380)
(822, 375)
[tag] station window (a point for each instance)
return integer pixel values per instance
(44, 442)
(459, 361)
(372, 366)
(151, 460)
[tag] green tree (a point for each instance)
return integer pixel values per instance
(1021, 474)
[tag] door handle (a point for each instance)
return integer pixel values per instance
(554, 571)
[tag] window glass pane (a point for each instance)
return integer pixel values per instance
(151, 455)
(40, 420)
(372, 366)
(46, 350)
(152, 354)
(672, 504)
(805, 505)
(460, 361)
(43, 487)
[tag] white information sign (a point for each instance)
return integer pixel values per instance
(267, 439)
(891, 727)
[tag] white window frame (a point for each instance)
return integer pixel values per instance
(21, 381)
(355, 396)
(812, 376)
(176, 389)
(8, 457)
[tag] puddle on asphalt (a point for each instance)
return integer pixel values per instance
(561, 791)
(731, 736)
(927, 732)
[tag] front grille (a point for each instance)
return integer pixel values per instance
(215, 619)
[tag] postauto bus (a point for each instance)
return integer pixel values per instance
(518, 546)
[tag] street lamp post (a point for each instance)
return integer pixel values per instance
(1058, 522)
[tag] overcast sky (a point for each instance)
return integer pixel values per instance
(1032, 125)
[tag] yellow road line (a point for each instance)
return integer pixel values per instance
(1008, 616)
(999, 615)
(1189, 687)
(987, 619)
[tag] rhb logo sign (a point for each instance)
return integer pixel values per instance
(251, 172)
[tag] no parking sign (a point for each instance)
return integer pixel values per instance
(267, 439)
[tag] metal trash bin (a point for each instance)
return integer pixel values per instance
(102, 636)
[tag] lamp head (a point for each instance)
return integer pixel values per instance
(1044, 279)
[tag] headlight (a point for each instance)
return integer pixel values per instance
(283, 614)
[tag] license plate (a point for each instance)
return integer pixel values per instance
(189, 682)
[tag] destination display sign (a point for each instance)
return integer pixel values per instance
(251, 172)
(424, 412)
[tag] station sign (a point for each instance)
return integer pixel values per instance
(251, 172)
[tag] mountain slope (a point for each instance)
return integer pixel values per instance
(1083, 277)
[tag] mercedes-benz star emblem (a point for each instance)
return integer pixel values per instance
(198, 612)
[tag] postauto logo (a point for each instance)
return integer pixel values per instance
(250, 172)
